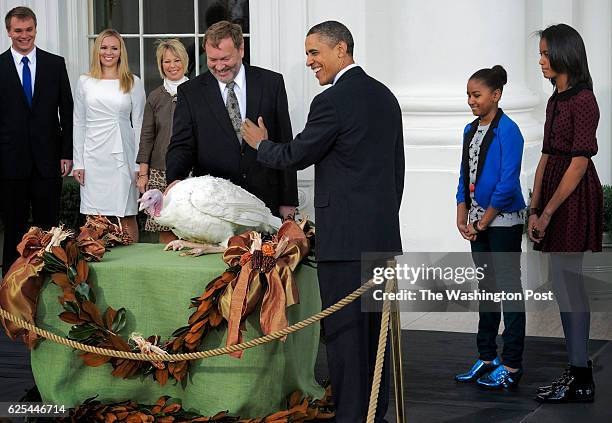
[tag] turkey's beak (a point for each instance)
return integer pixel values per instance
(142, 206)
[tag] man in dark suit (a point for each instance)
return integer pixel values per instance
(209, 111)
(354, 138)
(35, 132)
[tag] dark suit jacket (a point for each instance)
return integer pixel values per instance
(204, 140)
(38, 137)
(354, 137)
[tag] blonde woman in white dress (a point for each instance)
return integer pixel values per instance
(108, 108)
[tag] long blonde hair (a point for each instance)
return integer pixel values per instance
(126, 78)
(175, 47)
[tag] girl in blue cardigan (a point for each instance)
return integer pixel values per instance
(490, 214)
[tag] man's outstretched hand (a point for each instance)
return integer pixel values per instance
(254, 134)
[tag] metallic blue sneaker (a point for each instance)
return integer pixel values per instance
(500, 378)
(478, 369)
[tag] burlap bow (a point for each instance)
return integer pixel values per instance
(21, 285)
(245, 291)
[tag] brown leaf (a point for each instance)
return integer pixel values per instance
(295, 398)
(91, 309)
(278, 415)
(172, 408)
(196, 316)
(177, 343)
(110, 418)
(205, 305)
(82, 271)
(178, 369)
(69, 295)
(72, 252)
(60, 253)
(166, 419)
(195, 328)
(70, 317)
(126, 369)
(155, 409)
(191, 338)
(162, 400)
(109, 317)
(61, 280)
(136, 417)
(161, 376)
(119, 343)
(92, 250)
(215, 318)
(95, 360)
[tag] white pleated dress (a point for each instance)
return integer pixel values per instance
(107, 125)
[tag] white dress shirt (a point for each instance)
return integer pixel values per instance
(343, 71)
(239, 89)
(32, 58)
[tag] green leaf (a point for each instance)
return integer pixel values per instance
(119, 321)
(92, 340)
(92, 295)
(171, 401)
(72, 307)
(52, 263)
(82, 292)
(72, 274)
(81, 332)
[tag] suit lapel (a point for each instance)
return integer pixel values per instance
(11, 71)
(253, 93)
(212, 93)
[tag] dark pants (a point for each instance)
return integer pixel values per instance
(498, 249)
(573, 301)
(42, 195)
(351, 340)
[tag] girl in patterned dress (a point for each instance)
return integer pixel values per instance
(490, 214)
(566, 211)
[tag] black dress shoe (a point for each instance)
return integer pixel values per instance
(560, 380)
(578, 387)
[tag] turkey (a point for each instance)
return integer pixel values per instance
(207, 211)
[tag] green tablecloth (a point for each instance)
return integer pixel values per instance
(155, 287)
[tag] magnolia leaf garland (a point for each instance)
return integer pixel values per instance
(167, 409)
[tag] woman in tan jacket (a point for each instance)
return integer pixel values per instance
(172, 62)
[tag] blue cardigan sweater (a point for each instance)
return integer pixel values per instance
(499, 166)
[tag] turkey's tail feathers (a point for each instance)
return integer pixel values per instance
(274, 223)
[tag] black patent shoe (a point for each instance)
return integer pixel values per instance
(478, 369)
(578, 387)
(560, 380)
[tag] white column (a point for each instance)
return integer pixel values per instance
(594, 22)
(425, 52)
(74, 46)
